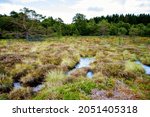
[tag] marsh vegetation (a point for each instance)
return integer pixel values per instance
(40, 70)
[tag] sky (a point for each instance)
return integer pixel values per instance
(66, 9)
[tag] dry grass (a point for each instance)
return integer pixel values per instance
(48, 62)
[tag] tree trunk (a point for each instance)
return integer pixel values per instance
(27, 35)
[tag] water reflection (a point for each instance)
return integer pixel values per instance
(89, 74)
(146, 68)
(84, 62)
(38, 88)
(17, 85)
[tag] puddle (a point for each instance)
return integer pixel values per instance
(84, 62)
(89, 74)
(146, 68)
(17, 85)
(38, 88)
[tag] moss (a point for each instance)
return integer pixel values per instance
(74, 96)
(58, 89)
(78, 90)
(87, 86)
(70, 80)
(84, 85)
(4, 96)
(140, 87)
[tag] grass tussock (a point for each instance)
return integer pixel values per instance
(133, 68)
(6, 83)
(20, 94)
(116, 74)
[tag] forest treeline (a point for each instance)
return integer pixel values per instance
(29, 24)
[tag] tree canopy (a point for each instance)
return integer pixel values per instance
(27, 23)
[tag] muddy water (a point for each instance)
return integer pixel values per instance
(84, 62)
(146, 68)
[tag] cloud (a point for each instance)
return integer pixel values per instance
(4, 1)
(25, 1)
(144, 5)
(63, 0)
(7, 8)
(122, 2)
(95, 9)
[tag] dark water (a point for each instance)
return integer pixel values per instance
(146, 68)
(84, 62)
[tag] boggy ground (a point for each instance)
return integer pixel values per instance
(116, 75)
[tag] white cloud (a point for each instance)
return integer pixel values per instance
(110, 7)
(63, 12)
(95, 9)
(122, 2)
(62, 0)
(6, 8)
(25, 1)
